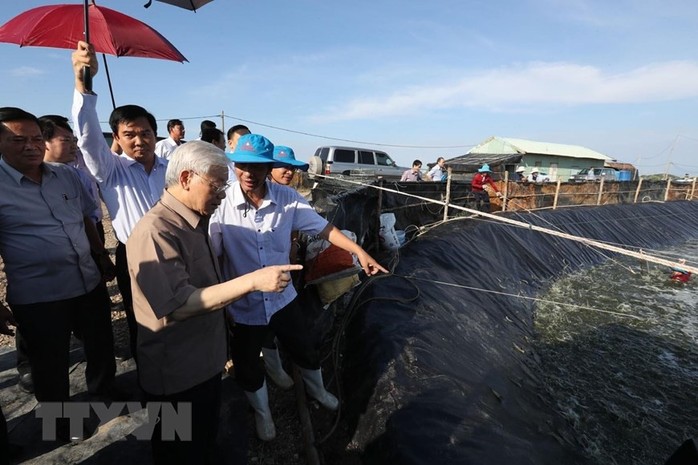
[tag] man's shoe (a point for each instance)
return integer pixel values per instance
(229, 369)
(124, 356)
(63, 433)
(26, 383)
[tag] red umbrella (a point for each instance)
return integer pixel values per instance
(61, 26)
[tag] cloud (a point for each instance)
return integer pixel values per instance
(529, 87)
(25, 71)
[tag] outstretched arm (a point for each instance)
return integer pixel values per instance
(336, 237)
(267, 279)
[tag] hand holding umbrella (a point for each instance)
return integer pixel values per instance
(84, 57)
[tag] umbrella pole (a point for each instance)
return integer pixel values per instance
(111, 91)
(86, 74)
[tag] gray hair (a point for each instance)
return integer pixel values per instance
(198, 156)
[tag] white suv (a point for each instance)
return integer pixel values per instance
(353, 161)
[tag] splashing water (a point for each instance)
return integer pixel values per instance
(626, 385)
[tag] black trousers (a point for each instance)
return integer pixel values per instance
(123, 280)
(4, 442)
(23, 365)
(21, 346)
(46, 329)
(205, 399)
(292, 332)
(482, 201)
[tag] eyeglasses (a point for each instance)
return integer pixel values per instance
(217, 189)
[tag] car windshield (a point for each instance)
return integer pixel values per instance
(384, 159)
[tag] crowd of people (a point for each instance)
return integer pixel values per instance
(202, 261)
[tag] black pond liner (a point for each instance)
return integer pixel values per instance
(451, 377)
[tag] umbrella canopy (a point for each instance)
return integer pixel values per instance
(111, 32)
(186, 4)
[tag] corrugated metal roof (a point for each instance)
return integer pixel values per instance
(471, 162)
(507, 145)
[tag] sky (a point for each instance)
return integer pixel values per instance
(416, 79)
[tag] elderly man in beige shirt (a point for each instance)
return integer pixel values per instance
(178, 298)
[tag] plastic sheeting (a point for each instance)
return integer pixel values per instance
(436, 373)
(357, 209)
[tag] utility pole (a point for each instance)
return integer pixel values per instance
(637, 169)
(668, 164)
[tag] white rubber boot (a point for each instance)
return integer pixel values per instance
(275, 370)
(264, 424)
(316, 388)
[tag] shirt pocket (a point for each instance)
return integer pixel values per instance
(67, 208)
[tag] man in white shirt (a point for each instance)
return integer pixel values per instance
(175, 129)
(438, 171)
(130, 183)
(53, 284)
(234, 134)
(251, 230)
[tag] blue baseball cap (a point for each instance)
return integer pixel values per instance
(285, 157)
(253, 148)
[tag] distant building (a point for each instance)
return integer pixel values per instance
(557, 161)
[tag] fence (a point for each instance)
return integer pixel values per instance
(421, 203)
(530, 196)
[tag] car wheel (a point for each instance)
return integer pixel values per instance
(315, 166)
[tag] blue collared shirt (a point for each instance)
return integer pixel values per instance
(127, 189)
(436, 173)
(42, 235)
(90, 185)
(249, 239)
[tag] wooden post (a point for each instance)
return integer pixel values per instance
(304, 415)
(448, 192)
(557, 193)
(598, 200)
(637, 191)
(668, 188)
(506, 191)
(693, 188)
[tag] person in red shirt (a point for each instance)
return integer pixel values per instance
(680, 275)
(480, 195)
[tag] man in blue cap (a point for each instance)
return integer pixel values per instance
(286, 166)
(282, 173)
(251, 229)
(480, 195)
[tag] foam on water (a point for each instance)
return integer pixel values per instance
(624, 380)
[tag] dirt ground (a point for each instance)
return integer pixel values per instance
(114, 443)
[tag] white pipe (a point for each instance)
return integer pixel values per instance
(552, 232)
